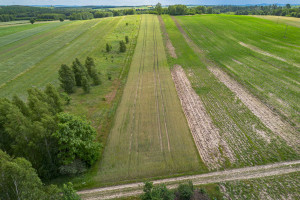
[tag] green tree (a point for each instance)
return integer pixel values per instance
(209, 10)
(61, 19)
(67, 79)
(122, 46)
(19, 180)
(53, 98)
(85, 83)
(92, 72)
(186, 191)
(69, 193)
(78, 71)
(76, 140)
(158, 8)
(159, 192)
(126, 39)
(288, 6)
(32, 21)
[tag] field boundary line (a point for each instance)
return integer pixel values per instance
(212, 177)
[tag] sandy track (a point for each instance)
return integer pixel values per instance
(205, 134)
(169, 44)
(214, 177)
(265, 114)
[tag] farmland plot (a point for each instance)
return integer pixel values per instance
(32, 57)
(150, 136)
(275, 187)
(261, 54)
(247, 137)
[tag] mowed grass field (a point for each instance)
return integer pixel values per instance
(150, 136)
(263, 55)
(249, 140)
(32, 56)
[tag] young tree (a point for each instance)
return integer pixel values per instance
(69, 193)
(61, 19)
(78, 71)
(92, 72)
(108, 47)
(122, 46)
(54, 99)
(127, 39)
(158, 8)
(85, 83)
(67, 79)
(32, 21)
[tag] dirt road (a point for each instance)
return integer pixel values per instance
(213, 177)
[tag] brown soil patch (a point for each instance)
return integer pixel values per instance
(264, 113)
(169, 45)
(111, 96)
(186, 37)
(205, 134)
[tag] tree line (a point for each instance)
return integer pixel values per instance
(286, 10)
(11, 13)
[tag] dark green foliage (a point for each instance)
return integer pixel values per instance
(126, 39)
(61, 19)
(19, 180)
(159, 192)
(158, 8)
(185, 191)
(54, 98)
(177, 10)
(76, 140)
(108, 47)
(67, 79)
(69, 193)
(92, 72)
(78, 71)
(85, 84)
(40, 132)
(32, 21)
(122, 46)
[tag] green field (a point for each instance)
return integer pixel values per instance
(256, 52)
(32, 57)
(150, 136)
(249, 140)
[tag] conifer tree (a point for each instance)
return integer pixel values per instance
(92, 72)
(67, 79)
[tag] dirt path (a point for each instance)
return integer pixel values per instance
(169, 45)
(214, 177)
(259, 109)
(205, 134)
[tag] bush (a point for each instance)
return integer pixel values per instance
(185, 191)
(122, 46)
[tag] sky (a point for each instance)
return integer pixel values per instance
(143, 2)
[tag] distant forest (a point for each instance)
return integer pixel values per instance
(11, 13)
